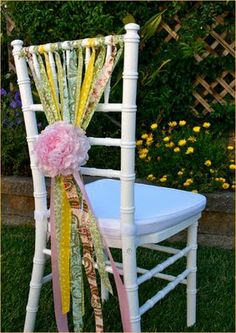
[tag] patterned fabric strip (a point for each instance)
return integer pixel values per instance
(52, 85)
(61, 319)
(98, 89)
(39, 85)
(47, 88)
(60, 78)
(72, 83)
(87, 243)
(79, 81)
(64, 262)
(65, 111)
(122, 294)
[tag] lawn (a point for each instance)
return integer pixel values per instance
(215, 306)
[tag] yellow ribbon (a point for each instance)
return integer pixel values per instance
(88, 78)
(64, 262)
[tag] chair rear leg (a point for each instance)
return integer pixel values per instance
(37, 275)
(191, 279)
(130, 281)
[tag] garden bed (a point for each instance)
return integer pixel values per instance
(216, 226)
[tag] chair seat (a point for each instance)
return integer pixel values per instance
(156, 208)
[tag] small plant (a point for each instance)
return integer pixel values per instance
(186, 157)
(14, 148)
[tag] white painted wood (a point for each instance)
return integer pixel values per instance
(192, 278)
(159, 268)
(161, 248)
(111, 107)
(105, 142)
(100, 172)
(39, 187)
(161, 294)
(128, 121)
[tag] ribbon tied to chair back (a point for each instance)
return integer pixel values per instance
(69, 92)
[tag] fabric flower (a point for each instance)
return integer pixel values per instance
(61, 149)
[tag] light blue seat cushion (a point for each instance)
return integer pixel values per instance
(156, 208)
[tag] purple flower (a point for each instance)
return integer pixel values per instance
(18, 121)
(17, 95)
(3, 92)
(13, 104)
(5, 123)
(18, 103)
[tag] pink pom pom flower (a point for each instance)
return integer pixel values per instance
(61, 149)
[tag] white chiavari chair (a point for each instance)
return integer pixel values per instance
(130, 215)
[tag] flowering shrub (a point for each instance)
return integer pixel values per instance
(187, 157)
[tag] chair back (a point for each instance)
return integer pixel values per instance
(127, 107)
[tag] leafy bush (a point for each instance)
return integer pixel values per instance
(166, 82)
(187, 157)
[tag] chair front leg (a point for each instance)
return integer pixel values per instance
(191, 279)
(130, 281)
(37, 275)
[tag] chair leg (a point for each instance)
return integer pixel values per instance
(130, 281)
(37, 275)
(191, 279)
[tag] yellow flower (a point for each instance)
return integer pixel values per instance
(172, 123)
(207, 163)
(170, 145)
(182, 122)
(176, 149)
(206, 125)
(222, 180)
(166, 139)
(225, 186)
(230, 148)
(217, 179)
(163, 179)
(232, 167)
(233, 186)
(189, 180)
(139, 142)
(231, 161)
(144, 136)
(192, 139)
(180, 173)
(196, 129)
(186, 184)
(154, 126)
(143, 153)
(151, 177)
(212, 171)
(149, 141)
(182, 143)
(195, 191)
(190, 150)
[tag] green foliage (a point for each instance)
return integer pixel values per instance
(187, 157)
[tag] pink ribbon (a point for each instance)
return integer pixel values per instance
(122, 294)
(61, 319)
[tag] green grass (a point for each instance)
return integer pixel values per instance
(215, 305)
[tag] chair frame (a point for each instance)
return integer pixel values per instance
(129, 240)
